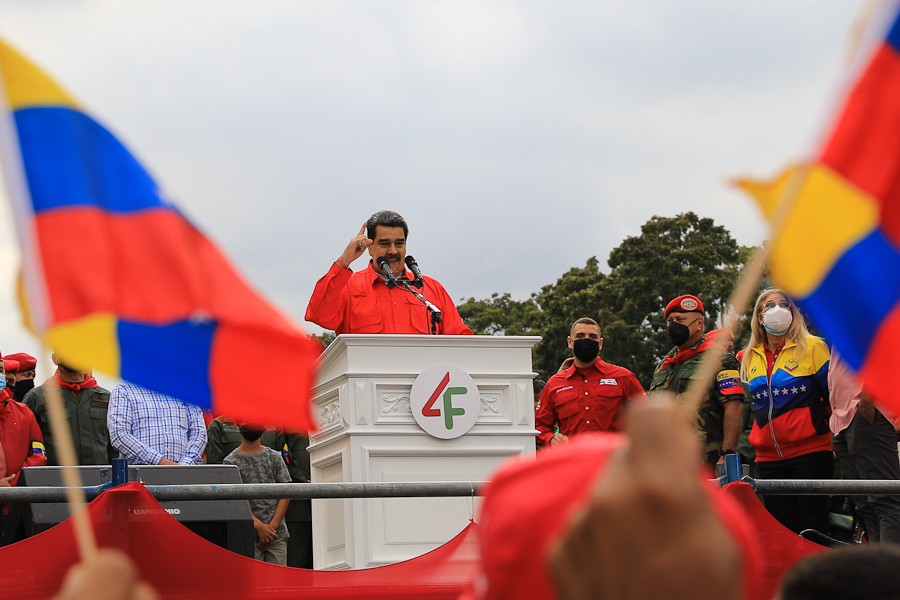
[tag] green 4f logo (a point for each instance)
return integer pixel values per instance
(449, 411)
(445, 401)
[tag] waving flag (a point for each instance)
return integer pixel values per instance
(115, 278)
(837, 252)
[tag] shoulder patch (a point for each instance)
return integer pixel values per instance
(729, 382)
(727, 374)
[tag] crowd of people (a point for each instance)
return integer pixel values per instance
(786, 403)
(150, 428)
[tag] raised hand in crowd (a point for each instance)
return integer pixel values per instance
(649, 530)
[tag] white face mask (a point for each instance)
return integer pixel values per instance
(777, 320)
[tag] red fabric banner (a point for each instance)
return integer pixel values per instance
(779, 547)
(182, 565)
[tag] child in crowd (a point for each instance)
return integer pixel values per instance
(259, 464)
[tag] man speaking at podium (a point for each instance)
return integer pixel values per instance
(384, 297)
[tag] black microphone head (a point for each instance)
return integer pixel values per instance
(414, 267)
(383, 263)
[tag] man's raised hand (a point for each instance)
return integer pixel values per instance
(359, 244)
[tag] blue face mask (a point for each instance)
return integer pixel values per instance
(2, 382)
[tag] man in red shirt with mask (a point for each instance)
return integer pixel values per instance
(366, 301)
(21, 443)
(589, 395)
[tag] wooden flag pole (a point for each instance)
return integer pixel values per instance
(65, 449)
(742, 295)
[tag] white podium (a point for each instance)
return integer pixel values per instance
(368, 434)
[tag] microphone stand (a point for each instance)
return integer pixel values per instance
(433, 311)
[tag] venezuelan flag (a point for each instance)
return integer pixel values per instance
(837, 251)
(117, 279)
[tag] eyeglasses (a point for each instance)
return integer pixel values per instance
(783, 304)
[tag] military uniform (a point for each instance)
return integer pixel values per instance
(676, 377)
(299, 513)
(86, 412)
(223, 437)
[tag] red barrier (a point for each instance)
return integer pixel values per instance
(779, 548)
(180, 564)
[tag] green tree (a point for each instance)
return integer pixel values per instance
(685, 254)
(499, 315)
(578, 293)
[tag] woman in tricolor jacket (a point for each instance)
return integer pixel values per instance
(786, 371)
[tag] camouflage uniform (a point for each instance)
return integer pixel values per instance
(299, 513)
(675, 378)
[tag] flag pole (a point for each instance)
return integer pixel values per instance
(64, 446)
(37, 321)
(743, 293)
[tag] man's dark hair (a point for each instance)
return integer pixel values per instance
(385, 218)
(539, 385)
(854, 572)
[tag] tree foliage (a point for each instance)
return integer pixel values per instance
(685, 254)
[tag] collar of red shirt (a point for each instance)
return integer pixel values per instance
(373, 275)
(598, 364)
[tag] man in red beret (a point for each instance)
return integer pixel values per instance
(719, 415)
(21, 443)
(10, 367)
(23, 381)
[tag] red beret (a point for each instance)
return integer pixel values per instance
(26, 361)
(522, 517)
(686, 303)
(10, 365)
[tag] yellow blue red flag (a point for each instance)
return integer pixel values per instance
(837, 251)
(116, 279)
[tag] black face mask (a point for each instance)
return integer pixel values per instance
(678, 333)
(586, 349)
(23, 387)
(251, 435)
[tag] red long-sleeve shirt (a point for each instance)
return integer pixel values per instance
(585, 400)
(20, 436)
(361, 302)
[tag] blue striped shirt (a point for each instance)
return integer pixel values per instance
(146, 426)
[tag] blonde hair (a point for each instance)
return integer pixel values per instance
(797, 332)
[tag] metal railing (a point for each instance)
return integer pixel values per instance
(823, 487)
(432, 489)
(248, 491)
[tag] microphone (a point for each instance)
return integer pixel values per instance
(386, 267)
(413, 266)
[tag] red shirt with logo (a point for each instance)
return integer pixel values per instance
(361, 302)
(585, 400)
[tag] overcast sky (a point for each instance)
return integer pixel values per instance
(517, 138)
